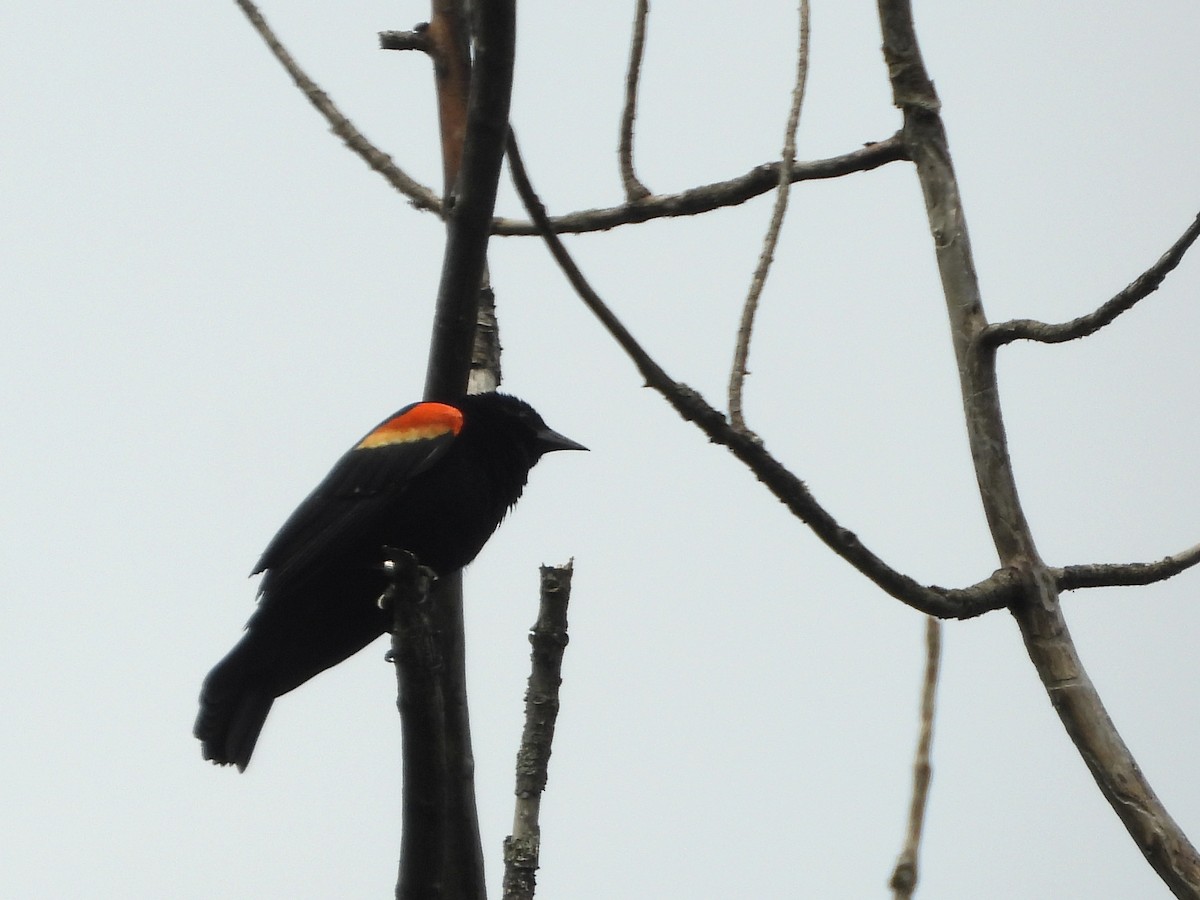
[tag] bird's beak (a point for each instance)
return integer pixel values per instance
(549, 441)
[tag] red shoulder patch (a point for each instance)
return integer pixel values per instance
(417, 423)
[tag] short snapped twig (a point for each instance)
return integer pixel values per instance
(416, 39)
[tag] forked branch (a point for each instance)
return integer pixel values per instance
(1038, 613)
(995, 592)
(693, 201)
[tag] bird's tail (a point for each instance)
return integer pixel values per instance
(234, 703)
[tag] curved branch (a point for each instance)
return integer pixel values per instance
(1140, 288)
(996, 592)
(741, 350)
(1072, 578)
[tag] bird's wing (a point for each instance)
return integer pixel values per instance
(365, 481)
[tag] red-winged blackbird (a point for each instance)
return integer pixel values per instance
(433, 479)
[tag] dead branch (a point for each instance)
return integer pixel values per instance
(548, 638)
(995, 592)
(421, 196)
(709, 197)
(741, 351)
(1140, 288)
(473, 99)
(420, 699)
(1038, 613)
(1072, 578)
(704, 198)
(904, 877)
(634, 189)
(416, 39)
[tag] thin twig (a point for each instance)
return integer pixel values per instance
(548, 639)
(995, 592)
(1140, 288)
(741, 351)
(634, 189)
(421, 196)
(904, 878)
(1072, 578)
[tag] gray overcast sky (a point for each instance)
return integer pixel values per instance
(208, 299)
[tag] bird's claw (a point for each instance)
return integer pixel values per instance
(403, 571)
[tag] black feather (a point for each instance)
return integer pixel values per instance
(439, 497)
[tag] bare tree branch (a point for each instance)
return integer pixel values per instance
(717, 195)
(548, 638)
(995, 592)
(421, 702)
(1140, 288)
(468, 226)
(421, 196)
(450, 41)
(1072, 578)
(634, 189)
(1038, 613)
(904, 878)
(741, 351)
(696, 200)
(473, 101)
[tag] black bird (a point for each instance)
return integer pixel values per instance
(433, 479)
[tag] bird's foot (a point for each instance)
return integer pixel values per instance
(407, 578)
